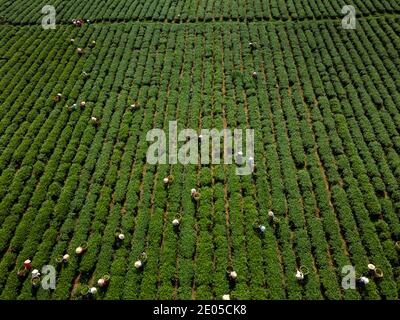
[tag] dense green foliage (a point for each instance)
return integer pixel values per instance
(28, 11)
(326, 108)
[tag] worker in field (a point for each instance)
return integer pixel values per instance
(92, 293)
(260, 228)
(95, 121)
(78, 22)
(35, 273)
(58, 97)
(27, 264)
(299, 275)
(72, 108)
(104, 281)
(140, 262)
(232, 274)
(176, 221)
(168, 180)
(363, 281)
(121, 237)
(135, 106)
(195, 194)
(252, 46)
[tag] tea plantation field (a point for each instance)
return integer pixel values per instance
(325, 106)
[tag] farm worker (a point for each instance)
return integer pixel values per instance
(299, 275)
(168, 180)
(65, 257)
(262, 228)
(271, 214)
(226, 297)
(79, 250)
(82, 104)
(175, 222)
(58, 97)
(72, 40)
(102, 282)
(121, 236)
(94, 119)
(72, 108)
(195, 194)
(364, 280)
(252, 45)
(200, 137)
(92, 291)
(254, 74)
(89, 22)
(27, 264)
(79, 51)
(35, 273)
(138, 264)
(85, 75)
(233, 275)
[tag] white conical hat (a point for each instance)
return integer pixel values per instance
(299, 275)
(371, 267)
(270, 213)
(35, 273)
(364, 280)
